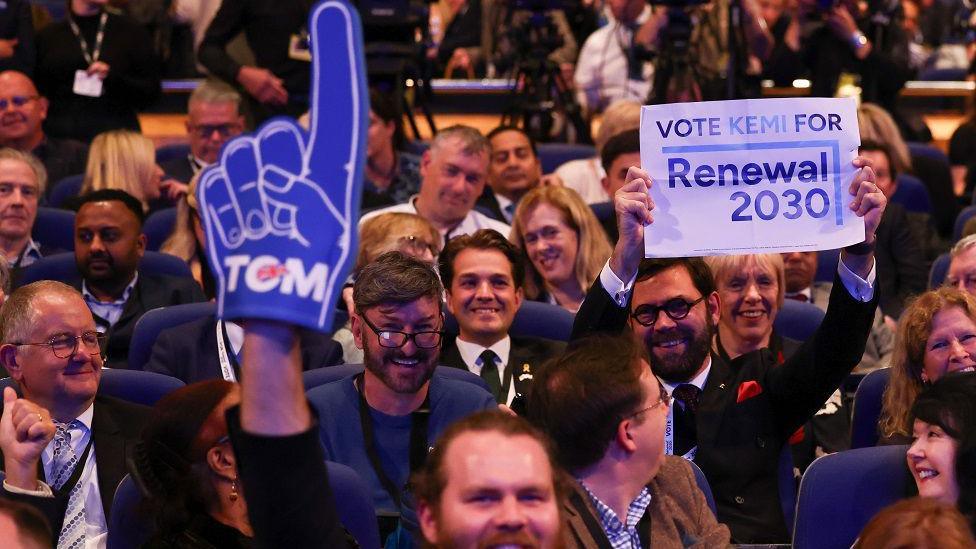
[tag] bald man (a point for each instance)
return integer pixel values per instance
(22, 113)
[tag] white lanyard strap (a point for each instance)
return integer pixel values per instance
(226, 369)
(99, 37)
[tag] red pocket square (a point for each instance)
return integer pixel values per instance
(748, 390)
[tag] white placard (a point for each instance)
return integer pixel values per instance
(750, 176)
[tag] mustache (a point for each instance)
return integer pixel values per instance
(521, 538)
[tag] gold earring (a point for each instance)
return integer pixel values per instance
(233, 490)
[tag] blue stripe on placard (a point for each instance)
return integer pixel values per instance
(832, 144)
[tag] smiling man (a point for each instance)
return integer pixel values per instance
(483, 275)
(51, 348)
(108, 246)
(732, 418)
(22, 113)
(399, 403)
(453, 174)
(491, 481)
(22, 182)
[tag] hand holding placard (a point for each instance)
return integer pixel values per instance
(280, 207)
(750, 176)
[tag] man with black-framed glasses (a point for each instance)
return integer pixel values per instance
(64, 447)
(22, 114)
(627, 491)
(213, 117)
(383, 421)
(732, 419)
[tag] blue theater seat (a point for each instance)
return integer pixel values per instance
(840, 493)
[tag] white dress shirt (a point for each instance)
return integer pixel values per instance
(471, 355)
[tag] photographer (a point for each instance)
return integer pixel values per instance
(841, 37)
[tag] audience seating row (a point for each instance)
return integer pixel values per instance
(844, 490)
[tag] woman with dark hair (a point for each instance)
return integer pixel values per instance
(186, 464)
(942, 457)
(392, 176)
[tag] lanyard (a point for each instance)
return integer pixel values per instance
(669, 437)
(99, 36)
(419, 420)
(226, 368)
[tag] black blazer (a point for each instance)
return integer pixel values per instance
(178, 168)
(526, 356)
(189, 351)
(739, 442)
(116, 425)
(150, 292)
(902, 268)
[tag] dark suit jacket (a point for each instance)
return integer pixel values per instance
(116, 425)
(178, 168)
(150, 292)
(680, 516)
(526, 356)
(189, 351)
(739, 443)
(902, 268)
(488, 205)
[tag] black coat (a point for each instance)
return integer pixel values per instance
(739, 442)
(189, 351)
(526, 356)
(150, 292)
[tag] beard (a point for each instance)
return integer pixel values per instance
(379, 361)
(681, 368)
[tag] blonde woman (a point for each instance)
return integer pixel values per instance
(936, 336)
(187, 240)
(126, 160)
(563, 242)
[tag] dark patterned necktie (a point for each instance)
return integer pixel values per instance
(686, 398)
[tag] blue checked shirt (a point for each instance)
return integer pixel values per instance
(621, 536)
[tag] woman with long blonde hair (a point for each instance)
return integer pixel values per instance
(187, 240)
(564, 245)
(126, 160)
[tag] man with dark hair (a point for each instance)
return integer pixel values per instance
(401, 404)
(513, 170)
(67, 469)
(496, 454)
(732, 419)
(21, 127)
(23, 527)
(614, 447)
(108, 247)
(620, 153)
(903, 269)
(483, 274)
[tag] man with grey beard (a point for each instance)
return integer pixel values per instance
(383, 421)
(732, 419)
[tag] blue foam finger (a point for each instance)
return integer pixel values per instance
(306, 186)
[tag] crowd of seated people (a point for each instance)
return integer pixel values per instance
(666, 358)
